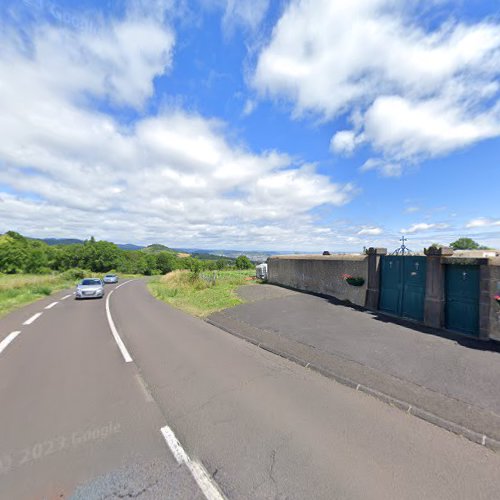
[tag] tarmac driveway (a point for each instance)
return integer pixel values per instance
(377, 349)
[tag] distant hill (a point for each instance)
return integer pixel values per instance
(128, 246)
(74, 241)
(61, 241)
(157, 248)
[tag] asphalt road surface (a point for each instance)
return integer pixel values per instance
(83, 417)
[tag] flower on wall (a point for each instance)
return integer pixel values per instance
(352, 280)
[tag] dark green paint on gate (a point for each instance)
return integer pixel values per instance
(402, 289)
(462, 299)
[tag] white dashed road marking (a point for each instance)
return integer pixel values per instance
(7, 340)
(199, 473)
(50, 306)
(67, 296)
(32, 319)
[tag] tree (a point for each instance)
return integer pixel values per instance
(220, 264)
(464, 244)
(36, 261)
(13, 257)
(165, 262)
(243, 262)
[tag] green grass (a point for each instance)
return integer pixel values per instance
(17, 290)
(199, 296)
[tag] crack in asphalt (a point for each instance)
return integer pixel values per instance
(238, 387)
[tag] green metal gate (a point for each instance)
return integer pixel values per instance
(402, 285)
(462, 299)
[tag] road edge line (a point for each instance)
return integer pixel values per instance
(203, 479)
(126, 355)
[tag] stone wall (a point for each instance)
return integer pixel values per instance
(321, 274)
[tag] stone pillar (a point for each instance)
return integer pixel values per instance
(485, 301)
(434, 304)
(373, 286)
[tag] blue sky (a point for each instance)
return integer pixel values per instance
(297, 125)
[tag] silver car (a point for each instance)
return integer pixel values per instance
(90, 288)
(110, 278)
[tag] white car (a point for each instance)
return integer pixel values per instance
(90, 288)
(110, 278)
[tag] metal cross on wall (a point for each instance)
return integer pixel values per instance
(403, 249)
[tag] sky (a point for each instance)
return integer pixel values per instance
(300, 125)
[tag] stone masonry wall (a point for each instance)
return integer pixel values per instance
(321, 274)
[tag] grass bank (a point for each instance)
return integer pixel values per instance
(200, 295)
(17, 290)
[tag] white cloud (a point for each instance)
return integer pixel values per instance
(423, 226)
(414, 92)
(402, 128)
(386, 169)
(412, 209)
(246, 14)
(344, 142)
(372, 231)
(483, 222)
(249, 107)
(172, 177)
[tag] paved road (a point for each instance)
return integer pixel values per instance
(453, 378)
(73, 412)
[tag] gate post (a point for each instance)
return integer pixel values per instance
(484, 300)
(373, 288)
(434, 289)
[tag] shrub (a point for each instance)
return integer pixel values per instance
(74, 274)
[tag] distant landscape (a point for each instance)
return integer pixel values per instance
(20, 254)
(256, 256)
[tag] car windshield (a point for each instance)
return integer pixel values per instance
(91, 282)
(109, 276)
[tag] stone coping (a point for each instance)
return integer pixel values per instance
(319, 257)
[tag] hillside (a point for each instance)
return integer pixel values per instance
(61, 241)
(210, 256)
(157, 248)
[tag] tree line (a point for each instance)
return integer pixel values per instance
(19, 254)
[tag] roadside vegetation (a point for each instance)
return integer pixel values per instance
(18, 290)
(31, 269)
(19, 254)
(201, 293)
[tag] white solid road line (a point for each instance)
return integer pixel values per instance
(32, 319)
(67, 296)
(199, 473)
(7, 340)
(124, 283)
(126, 356)
(50, 306)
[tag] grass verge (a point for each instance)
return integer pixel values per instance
(17, 290)
(200, 295)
